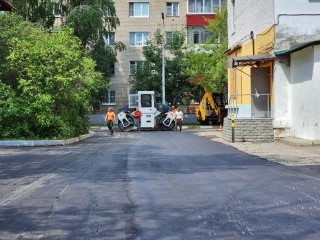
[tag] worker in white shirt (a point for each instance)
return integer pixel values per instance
(178, 119)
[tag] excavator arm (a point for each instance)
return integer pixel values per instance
(208, 107)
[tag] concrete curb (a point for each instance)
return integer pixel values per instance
(206, 127)
(39, 143)
(298, 142)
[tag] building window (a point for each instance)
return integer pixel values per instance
(112, 68)
(168, 37)
(107, 12)
(203, 6)
(172, 9)
(109, 38)
(176, 35)
(133, 91)
(138, 38)
(134, 65)
(139, 9)
(110, 98)
(56, 9)
(233, 17)
(198, 35)
(133, 99)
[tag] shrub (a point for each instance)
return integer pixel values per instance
(46, 80)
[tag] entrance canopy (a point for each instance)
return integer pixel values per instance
(297, 47)
(249, 60)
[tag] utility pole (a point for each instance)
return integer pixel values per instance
(163, 65)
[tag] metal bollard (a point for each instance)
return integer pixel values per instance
(232, 128)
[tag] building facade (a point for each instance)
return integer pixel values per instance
(264, 79)
(139, 20)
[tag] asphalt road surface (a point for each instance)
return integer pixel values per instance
(154, 185)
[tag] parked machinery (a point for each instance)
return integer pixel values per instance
(213, 107)
(154, 115)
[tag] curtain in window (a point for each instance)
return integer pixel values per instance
(175, 9)
(207, 6)
(199, 6)
(192, 4)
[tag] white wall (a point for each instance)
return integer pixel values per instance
(281, 86)
(296, 21)
(250, 15)
(297, 6)
(304, 93)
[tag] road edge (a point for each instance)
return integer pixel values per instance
(40, 143)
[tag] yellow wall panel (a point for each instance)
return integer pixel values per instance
(239, 80)
(264, 41)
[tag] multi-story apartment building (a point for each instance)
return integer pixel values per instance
(273, 75)
(139, 19)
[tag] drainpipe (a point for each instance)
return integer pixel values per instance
(252, 39)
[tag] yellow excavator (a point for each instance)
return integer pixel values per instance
(212, 107)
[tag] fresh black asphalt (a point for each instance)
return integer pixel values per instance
(154, 185)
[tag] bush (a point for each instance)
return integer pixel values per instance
(46, 81)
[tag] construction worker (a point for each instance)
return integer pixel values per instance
(178, 119)
(110, 117)
(137, 115)
(174, 110)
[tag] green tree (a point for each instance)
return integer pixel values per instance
(207, 64)
(36, 11)
(46, 81)
(11, 26)
(148, 76)
(92, 20)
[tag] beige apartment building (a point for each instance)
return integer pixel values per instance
(138, 23)
(139, 19)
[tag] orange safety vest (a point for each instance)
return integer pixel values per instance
(110, 116)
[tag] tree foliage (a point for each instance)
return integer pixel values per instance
(36, 11)
(46, 81)
(148, 75)
(207, 64)
(92, 21)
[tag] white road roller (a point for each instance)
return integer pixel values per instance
(154, 115)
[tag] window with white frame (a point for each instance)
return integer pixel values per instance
(107, 12)
(138, 38)
(110, 98)
(170, 35)
(133, 65)
(203, 6)
(109, 38)
(138, 9)
(172, 9)
(233, 17)
(198, 35)
(56, 8)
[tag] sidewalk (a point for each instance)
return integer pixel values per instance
(287, 151)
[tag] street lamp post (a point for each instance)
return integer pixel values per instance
(163, 66)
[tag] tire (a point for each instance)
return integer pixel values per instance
(206, 122)
(130, 123)
(163, 127)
